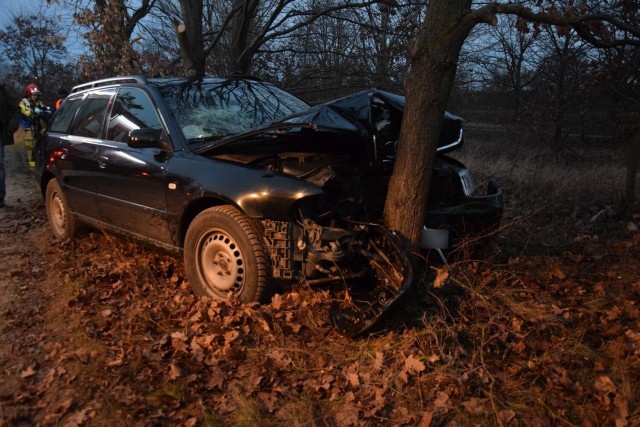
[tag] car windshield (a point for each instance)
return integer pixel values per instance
(208, 110)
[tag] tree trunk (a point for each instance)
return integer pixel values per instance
(240, 56)
(633, 157)
(190, 38)
(434, 59)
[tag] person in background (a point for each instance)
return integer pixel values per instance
(5, 114)
(33, 121)
(62, 94)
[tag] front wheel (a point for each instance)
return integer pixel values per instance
(63, 222)
(224, 256)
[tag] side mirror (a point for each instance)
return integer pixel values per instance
(147, 138)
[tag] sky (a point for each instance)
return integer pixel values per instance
(11, 8)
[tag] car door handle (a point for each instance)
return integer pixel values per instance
(102, 161)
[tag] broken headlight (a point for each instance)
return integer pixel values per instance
(469, 186)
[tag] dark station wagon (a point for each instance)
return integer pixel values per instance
(252, 185)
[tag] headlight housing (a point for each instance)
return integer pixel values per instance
(469, 186)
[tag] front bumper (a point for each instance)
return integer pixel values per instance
(471, 216)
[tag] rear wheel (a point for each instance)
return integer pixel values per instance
(63, 222)
(224, 256)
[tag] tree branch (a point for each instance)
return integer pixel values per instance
(578, 22)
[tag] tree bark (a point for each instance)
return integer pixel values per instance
(434, 60)
(190, 38)
(240, 54)
(633, 157)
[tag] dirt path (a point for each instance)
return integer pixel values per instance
(32, 333)
(20, 296)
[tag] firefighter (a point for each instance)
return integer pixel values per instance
(34, 119)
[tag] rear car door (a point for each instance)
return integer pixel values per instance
(80, 123)
(130, 183)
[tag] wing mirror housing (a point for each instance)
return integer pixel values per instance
(148, 138)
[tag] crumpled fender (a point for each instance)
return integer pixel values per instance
(361, 312)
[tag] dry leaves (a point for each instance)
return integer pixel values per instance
(442, 274)
(521, 342)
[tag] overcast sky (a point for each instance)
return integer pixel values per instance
(11, 8)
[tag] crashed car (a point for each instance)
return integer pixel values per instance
(253, 186)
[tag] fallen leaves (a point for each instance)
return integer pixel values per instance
(27, 373)
(482, 353)
(179, 342)
(348, 415)
(476, 406)
(608, 394)
(174, 372)
(442, 274)
(412, 367)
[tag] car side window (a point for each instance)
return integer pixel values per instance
(62, 120)
(91, 115)
(131, 110)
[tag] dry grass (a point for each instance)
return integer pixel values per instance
(551, 196)
(591, 173)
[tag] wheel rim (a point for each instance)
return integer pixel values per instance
(56, 213)
(220, 263)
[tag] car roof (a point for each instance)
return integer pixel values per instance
(161, 81)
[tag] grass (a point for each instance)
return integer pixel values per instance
(551, 196)
(588, 174)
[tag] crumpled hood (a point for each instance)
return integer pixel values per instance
(351, 114)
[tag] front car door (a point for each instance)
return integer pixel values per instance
(130, 183)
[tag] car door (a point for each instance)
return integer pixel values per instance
(78, 145)
(130, 183)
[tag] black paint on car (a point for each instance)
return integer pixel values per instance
(252, 185)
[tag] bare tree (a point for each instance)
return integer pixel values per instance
(565, 71)
(621, 81)
(513, 63)
(112, 25)
(35, 46)
(248, 25)
(434, 61)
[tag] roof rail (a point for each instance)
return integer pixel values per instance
(110, 81)
(243, 76)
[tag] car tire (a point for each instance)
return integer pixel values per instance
(224, 256)
(62, 221)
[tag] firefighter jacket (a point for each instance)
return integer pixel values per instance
(29, 115)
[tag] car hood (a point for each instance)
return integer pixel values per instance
(352, 114)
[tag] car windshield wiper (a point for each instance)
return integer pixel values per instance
(271, 130)
(208, 138)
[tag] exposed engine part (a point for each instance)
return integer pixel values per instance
(312, 168)
(278, 237)
(328, 280)
(322, 243)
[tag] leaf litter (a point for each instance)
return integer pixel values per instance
(105, 331)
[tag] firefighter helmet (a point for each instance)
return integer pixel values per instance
(32, 90)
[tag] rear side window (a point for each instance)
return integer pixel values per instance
(132, 110)
(61, 121)
(90, 118)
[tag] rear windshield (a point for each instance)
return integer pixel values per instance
(211, 110)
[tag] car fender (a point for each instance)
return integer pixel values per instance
(257, 192)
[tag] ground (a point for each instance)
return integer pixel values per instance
(100, 331)
(21, 294)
